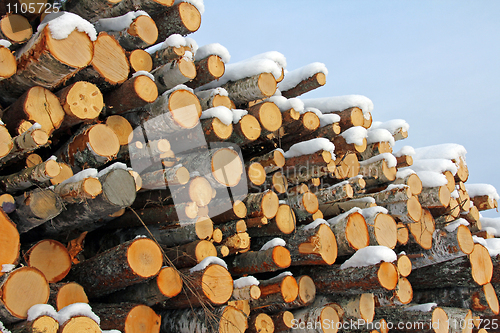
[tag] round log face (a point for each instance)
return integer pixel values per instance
(227, 167)
(386, 231)
(77, 50)
(222, 130)
(84, 100)
(491, 298)
(270, 204)
(285, 219)
(270, 116)
(217, 284)
(146, 88)
(404, 266)
(24, 288)
(51, 258)
(289, 289)
(404, 291)
(388, 275)
(256, 174)
(329, 315)
(140, 60)
(267, 86)
(481, 265)
(80, 324)
(216, 66)
(142, 319)
(200, 190)
(16, 27)
(263, 323)
(356, 231)
(185, 108)
(70, 293)
(8, 62)
(190, 16)
(103, 140)
(232, 320)
(145, 257)
(281, 257)
(465, 240)
(169, 282)
(250, 127)
(440, 321)
(110, 60)
(43, 107)
(9, 240)
(45, 324)
(145, 28)
(367, 307)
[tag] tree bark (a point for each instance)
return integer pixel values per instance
(124, 265)
(282, 288)
(174, 73)
(351, 233)
(27, 178)
(252, 88)
(182, 18)
(127, 317)
(253, 262)
(311, 83)
(207, 70)
(134, 93)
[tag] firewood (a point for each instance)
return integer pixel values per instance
(232, 227)
(207, 70)
(118, 191)
(182, 18)
(260, 323)
(109, 66)
(246, 131)
(472, 271)
(282, 224)
(282, 288)
(6, 143)
(35, 208)
(63, 294)
(351, 232)
(18, 296)
(336, 208)
(188, 255)
(352, 307)
(271, 161)
(434, 197)
(9, 65)
(126, 264)
(283, 321)
(216, 131)
(299, 126)
(382, 228)
(252, 262)
(303, 205)
(15, 28)
(482, 300)
(473, 217)
(90, 147)
(262, 204)
(29, 177)
(247, 292)
(43, 323)
(404, 161)
(269, 116)
(139, 60)
(80, 101)
(306, 318)
(251, 88)
(376, 148)
(49, 68)
(212, 284)
(174, 73)
(225, 319)
(484, 202)
(404, 265)
(339, 192)
(127, 317)
(213, 97)
(25, 143)
(411, 180)
(221, 210)
(350, 117)
(133, 93)
(315, 81)
(452, 210)
(51, 258)
(171, 113)
(378, 170)
(65, 173)
(177, 175)
(355, 280)
(429, 319)
(237, 243)
(81, 322)
(463, 172)
(36, 105)
(141, 32)
(9, 241)
(420, 231)
(401, 295)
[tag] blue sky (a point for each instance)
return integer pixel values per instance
(435, 64)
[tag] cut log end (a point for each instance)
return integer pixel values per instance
(121, 127)
(16, 28)
(367, 307)
(481, 265)
(256, 173)
(222, 130)
(285, 219)
(204, 228)
(65, 173)
(217, 284)
(219, 100)
(404, 291)
(491, 298)
(270, 204)
(356, 231)
(310, 121)
(110, 60)
(289, 289)
(269, 115)
(140, 60)
(440, 320)
(185, 108)
(51, 258)
(169, 282)
(80, 324)
(144, 257)
(404, 265)
(9, 240)
(329, 315)
(281, 257)
(215, 66)
(227, 167)
(70, 293)
(233, 321)
(77, 50)
(386, 231)
(464, 239)
(145, 28)
(279, 182)
(16, 285)
(45, 324)
(200, 190)
(146, 89)
(388, 275)
(261, 323)
(83, 100)
(8, 61)
(267, 85)
(190, 16)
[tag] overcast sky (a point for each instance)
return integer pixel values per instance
(435, 64)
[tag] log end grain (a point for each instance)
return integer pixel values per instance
(367, 307)
(279, 181)
(77, 50)
(103, 140)
(190, 16)
(481, 265)
(222, 130)
(215, 66)
(110, 60)
(465, 240)
(307, 289)
(145, 28)
(227, 167)
(415, 184)
(322, 243)
(45, 324)
(9, 240)
(140, 60)
(8, 61)
(440, 320)
(261, 323)
(267, 85)
(270, 204)
(219, 100)
(281, 257)
(414, 209)
(256, 173)
(119, 188)
(356, 231)
(250, 127)
(121, 127)
(65, 173)
(169, 282)
(51, 258)
(7, 203)
(386, 231)
(144, 257)
(217, 284)
(491, 298)
(44, 204)
(269, 115)
(388, 275)
(43, 107)
(16, 28)
(204, 227)
(187, 68)
(80, 324)
(289, 289)
(142, 319)
(232, 321)
(404, 291)
(82, 100)
(5, 140)
(20, 283)
(146, 89)
(70, 293)
(404, 265)
(239, 209)
(285, 219)
(200, 190)
(185, 108)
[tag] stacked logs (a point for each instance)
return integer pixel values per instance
(175, 193)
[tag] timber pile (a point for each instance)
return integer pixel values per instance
(233, 207)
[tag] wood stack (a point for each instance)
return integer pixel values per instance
(228, 208)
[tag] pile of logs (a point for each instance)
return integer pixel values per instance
(161, 189)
